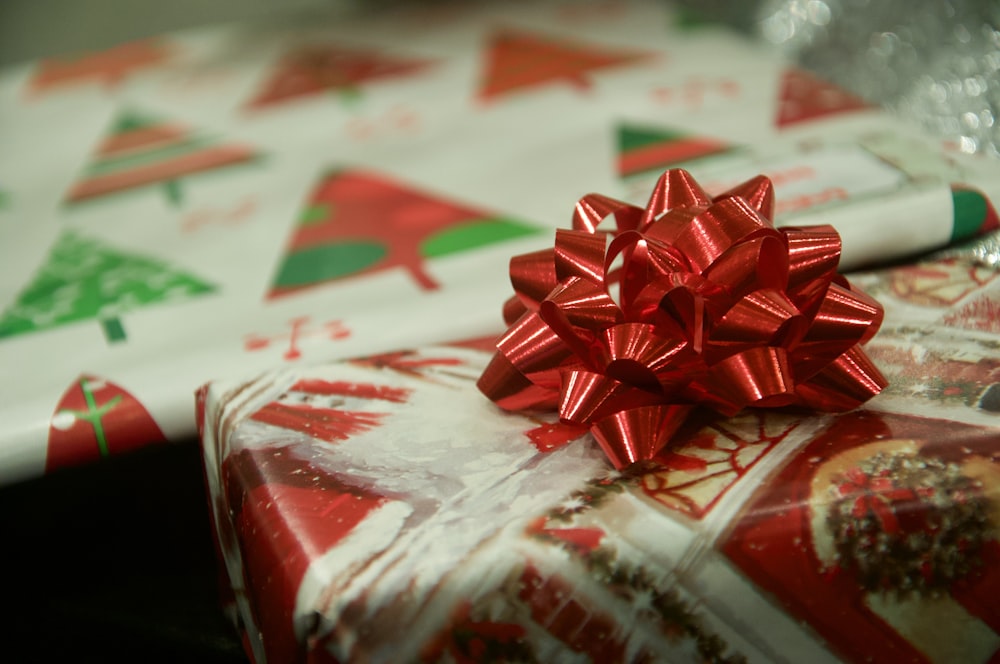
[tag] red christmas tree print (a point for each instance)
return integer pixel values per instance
(313, 70)
(359, 223)
(804, 97)
(109, 67)
(517, 60)
(95, 419)
(286, 513)
(142, 151)
(643, 149)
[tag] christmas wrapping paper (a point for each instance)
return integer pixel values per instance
(225, 200)
(382, 509)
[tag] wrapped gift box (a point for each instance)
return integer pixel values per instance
(382, 509)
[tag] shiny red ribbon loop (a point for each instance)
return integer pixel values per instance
(714, 307)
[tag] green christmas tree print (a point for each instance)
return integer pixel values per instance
(84, 279)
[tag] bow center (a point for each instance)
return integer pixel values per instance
(633, 373)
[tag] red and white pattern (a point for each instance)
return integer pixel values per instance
(420, 521)
(380, 507)
(364, 181)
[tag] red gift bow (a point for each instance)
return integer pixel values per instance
(715, 307)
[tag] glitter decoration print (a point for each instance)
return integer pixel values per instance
(716, 307)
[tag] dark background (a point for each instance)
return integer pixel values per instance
(113, 562)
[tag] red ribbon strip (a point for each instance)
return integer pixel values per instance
(715, 307)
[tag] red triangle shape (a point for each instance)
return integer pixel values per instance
(516, 60)
(643, 149)
(96, 418)
(361, 223)
(109, 67)
(804, 97)
(140, 151)
(315, 69)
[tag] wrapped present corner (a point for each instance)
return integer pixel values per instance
(382, 509)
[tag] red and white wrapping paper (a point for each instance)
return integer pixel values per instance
(382, 509)
(318, 187)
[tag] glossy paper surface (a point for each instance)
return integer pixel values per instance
(220, 201)
(382, 509)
